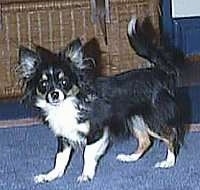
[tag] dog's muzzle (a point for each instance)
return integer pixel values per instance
(55, 96)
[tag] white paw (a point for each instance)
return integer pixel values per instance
(84, 178)
(165, 164)
(128, 157)
(42, 178)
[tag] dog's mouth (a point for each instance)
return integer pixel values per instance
(55, 103)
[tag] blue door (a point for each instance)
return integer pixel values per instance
(181, 24)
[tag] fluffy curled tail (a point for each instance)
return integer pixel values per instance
(157, 55)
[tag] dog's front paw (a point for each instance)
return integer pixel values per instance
(52, 175)
(42, 178)
(84, 178)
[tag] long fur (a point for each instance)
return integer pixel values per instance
(147, 94)
(51, 85)
(128, 93)
(81, 108)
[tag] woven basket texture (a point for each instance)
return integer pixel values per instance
(52, 24)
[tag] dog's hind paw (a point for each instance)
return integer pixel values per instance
(83, 178)
(168, 163)
(165, 164)
(128, 157)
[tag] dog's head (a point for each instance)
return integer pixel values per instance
(49, 76)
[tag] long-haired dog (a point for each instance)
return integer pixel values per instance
(80, 107)
(143, 101)
(51, 85)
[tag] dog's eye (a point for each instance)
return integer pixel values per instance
(64, 82)
(44, 83)
(43, 86)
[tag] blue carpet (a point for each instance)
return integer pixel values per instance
(27, 151)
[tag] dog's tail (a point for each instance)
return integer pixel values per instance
(158, 55)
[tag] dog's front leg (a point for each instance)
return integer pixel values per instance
(92, 154)
(61, 162)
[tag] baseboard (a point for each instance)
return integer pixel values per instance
(19, 122)
(194, 127)
(28, 122)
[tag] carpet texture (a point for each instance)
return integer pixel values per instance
(27, 151)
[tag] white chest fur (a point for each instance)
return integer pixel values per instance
(62, 118)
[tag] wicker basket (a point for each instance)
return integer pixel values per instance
(52, 24)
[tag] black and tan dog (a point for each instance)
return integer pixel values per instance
(80, 107)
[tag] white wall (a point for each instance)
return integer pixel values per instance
(185, 8)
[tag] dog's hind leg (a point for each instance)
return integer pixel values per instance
(169, 162)
(143, 144)
(140, 132)
(92, 154)
(171, 157)
(172, 147)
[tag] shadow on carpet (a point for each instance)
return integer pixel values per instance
(27, 151)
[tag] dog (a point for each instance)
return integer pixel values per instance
(142, 101)
(80, 108)
(51, 86)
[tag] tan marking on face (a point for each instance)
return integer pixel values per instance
(60, 75)
(40, 94)
(44, 77)
(74, 91)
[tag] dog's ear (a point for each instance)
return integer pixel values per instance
(45, 55)
(27, 62)
(74, 52)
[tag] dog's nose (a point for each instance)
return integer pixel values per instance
(55, 95)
